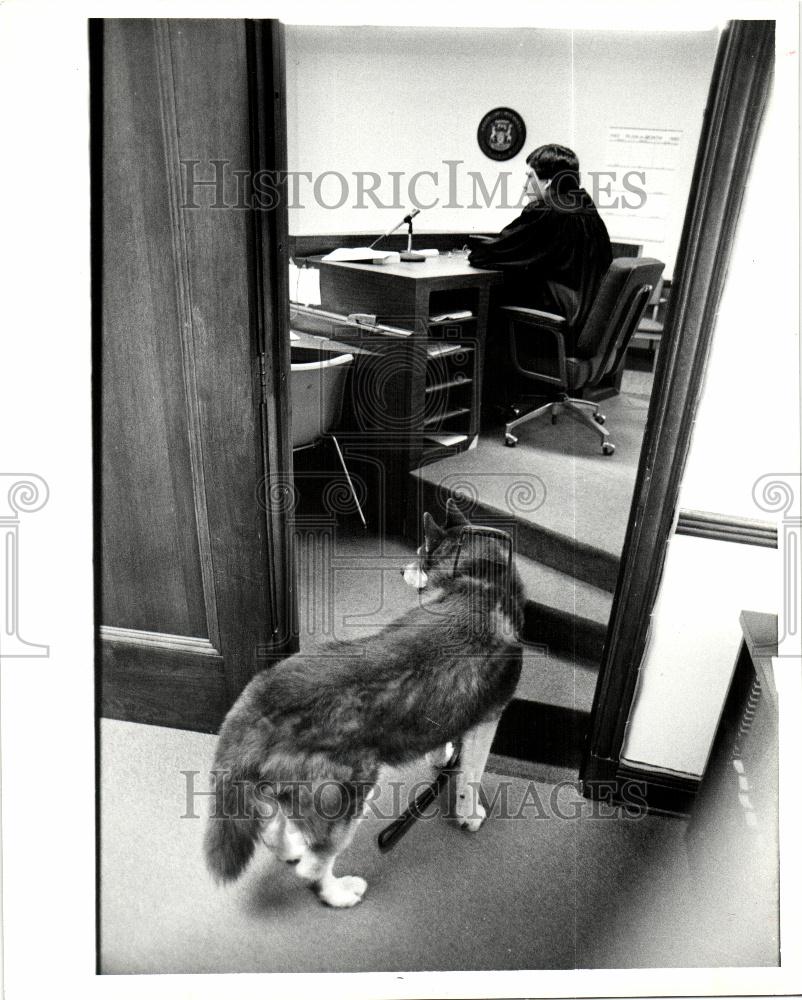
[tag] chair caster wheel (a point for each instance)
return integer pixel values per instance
(599, 418)
(510, 440)
(608, 448)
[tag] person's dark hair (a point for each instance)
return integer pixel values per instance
(555, 163)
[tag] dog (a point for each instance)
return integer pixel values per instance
(299, 754)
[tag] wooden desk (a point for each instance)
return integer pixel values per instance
(406, 293)
(420, 397)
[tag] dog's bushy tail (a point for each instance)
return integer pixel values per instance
(233, 825)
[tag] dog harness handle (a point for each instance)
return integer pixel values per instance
(475, 531)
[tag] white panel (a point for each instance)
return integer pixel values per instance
(748, 420)
(695, 639)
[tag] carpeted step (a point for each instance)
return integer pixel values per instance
(566, 611)
(484, 502)
(551, 678)
(563, 613)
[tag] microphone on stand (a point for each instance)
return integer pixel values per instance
(409, 254)
(407, 220)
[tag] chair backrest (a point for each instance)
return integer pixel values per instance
(616, 311)
(316, 396)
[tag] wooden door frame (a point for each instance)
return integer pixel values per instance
(271, 293)
(738, 94)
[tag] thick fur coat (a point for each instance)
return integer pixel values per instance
(328, 721)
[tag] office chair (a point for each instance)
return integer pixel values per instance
(543, 350)
(316, 398)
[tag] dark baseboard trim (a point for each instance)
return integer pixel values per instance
(663, 794)
(722, 527)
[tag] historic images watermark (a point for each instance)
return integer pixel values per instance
(220, 184)
(20, 493)
(506, 800)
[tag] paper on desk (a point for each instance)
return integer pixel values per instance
(364, 255)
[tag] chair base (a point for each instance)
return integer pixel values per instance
(583, 409)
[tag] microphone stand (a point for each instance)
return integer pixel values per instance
(408, 254)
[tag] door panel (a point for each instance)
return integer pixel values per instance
(147, 493)
(187, 606)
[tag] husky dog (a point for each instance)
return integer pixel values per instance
(299, 754)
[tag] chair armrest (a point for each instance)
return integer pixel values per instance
(537, 316)
(546, 323)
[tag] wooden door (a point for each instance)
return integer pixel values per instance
(194, 588)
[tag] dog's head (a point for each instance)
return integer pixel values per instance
(436, 555)
(450, 554)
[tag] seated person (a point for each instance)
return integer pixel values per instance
(555, 254)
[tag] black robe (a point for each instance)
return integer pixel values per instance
(553, 256)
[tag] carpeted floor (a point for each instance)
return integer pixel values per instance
(562, 886)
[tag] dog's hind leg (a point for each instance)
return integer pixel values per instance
(317, 864)
(476, 743)
(329, 822)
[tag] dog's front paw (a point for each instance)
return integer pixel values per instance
(342, 892)
(469, 811)
(441, 756)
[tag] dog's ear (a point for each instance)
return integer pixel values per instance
(433, 534)
(454, 516)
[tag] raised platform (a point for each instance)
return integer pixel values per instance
(567, 503)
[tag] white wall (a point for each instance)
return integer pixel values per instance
(407, 99)
(748, 419)
(644, 80)
(747, 426)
